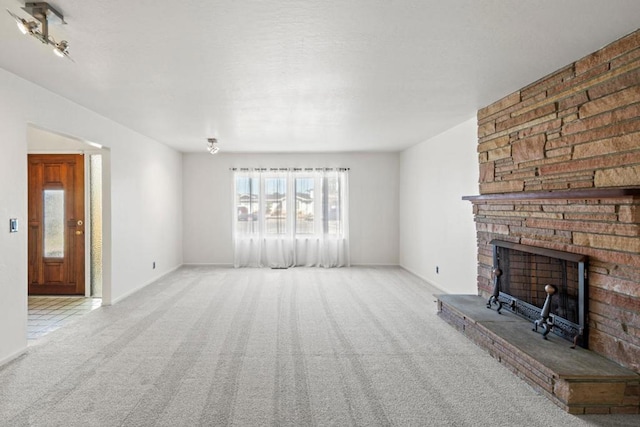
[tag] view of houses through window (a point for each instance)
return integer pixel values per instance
(276, 204)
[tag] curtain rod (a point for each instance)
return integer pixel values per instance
(287, 169)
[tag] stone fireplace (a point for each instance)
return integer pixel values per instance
(559, 165)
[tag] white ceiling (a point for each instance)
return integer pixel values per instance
(305, 76)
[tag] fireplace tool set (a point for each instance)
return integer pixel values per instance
(546, 319)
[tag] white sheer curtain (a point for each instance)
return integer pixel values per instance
(291, 217)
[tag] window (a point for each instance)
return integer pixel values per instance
(331, 204)
(275, 200)
(305, 206)
(247, 204)
(300, 214)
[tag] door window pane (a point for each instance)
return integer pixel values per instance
(275, 218)
(54, 223)
(304, 206)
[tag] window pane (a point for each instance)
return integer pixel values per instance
(331, 206)
(247, 204)
(54, 223)
(304, 206)
(275, 213)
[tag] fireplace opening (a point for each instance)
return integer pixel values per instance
(521, 274)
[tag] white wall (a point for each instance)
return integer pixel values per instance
(13, 246)
(146, 199)
(436, 226)
(373, 187)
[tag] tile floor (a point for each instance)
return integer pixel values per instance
(48, 313)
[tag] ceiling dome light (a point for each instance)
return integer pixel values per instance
(212, 145)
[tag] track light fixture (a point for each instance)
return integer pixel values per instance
(212, 145)
(43, 14)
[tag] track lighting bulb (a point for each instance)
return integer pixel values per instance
(25, 27)
(22, 26)
(61, 49)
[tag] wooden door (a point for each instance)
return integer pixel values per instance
(56, 224)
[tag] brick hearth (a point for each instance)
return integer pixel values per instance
(577, 380)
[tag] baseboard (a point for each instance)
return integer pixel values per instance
(375, 265)
(13, 356)
(207, 264)
(429, 282)
(133, 291)
(203, 264)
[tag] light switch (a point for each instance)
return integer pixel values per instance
(13, 225)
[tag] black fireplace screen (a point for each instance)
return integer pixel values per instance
(526, 270)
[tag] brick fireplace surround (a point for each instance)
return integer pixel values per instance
(560, 169)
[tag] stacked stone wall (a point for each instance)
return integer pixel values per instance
(576, 129)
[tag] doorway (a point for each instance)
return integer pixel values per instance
(46, 313)
(97, 204)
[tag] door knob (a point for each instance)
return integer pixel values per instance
(79, 232)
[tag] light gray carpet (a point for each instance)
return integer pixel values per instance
(299, 347)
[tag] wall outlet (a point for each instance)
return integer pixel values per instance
(154, 265)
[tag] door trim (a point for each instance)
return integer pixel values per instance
(57, 273)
